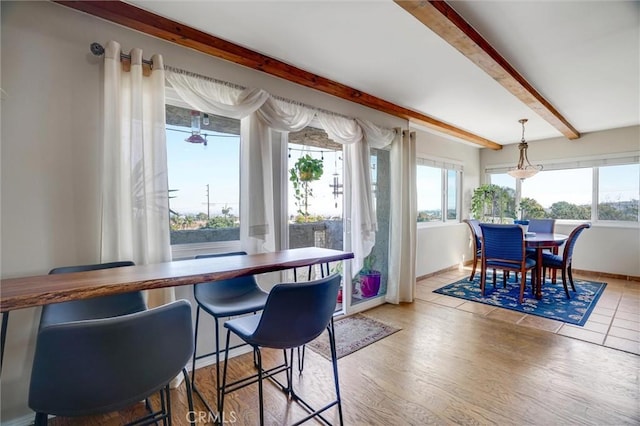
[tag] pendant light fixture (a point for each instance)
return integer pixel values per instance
(524, 169)
(195, 129)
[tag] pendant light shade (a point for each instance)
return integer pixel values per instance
(524, 169)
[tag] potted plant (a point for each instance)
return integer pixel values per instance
(304, 171)
(369, 278)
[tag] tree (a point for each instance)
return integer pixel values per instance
(531, 209)
(620, 210)
(220, 222)
(566, 210)
(491, 201)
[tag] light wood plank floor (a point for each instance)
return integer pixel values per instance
(446, 366)
(615, 321)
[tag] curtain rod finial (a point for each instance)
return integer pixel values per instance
(97, 49)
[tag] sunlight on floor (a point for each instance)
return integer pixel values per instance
(615, 321)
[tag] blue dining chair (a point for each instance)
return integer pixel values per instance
(503, 247)
(294, 315)
(542, 226)
(223, 299)
(554, 261)
(95, 366)
(476, 238)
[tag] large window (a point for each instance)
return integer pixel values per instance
(438, 191)
(204, 180)
(598, 193)
(619, 192)
(563, 194)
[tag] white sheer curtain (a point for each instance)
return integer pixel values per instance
(402, 270)
(135, 205)
(260, 113)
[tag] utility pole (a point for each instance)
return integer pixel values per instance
(208, 204)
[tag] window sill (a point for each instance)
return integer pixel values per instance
(189, 251)
(600, 223)
(428, 225)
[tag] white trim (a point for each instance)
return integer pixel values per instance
(615, 159)
(437, 224)
(442, 163)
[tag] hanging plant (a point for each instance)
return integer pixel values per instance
(304, 171)
(308, 169)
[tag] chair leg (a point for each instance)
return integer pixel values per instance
(167, 411)
(570, 272)
(260, 395)
(195, 348)
(523, 283)
(187, 384)
(483, 279)
(300, 358)
(224, 378)
(218, 361)
(554, 271)
(41, 419)
(334, 361)
(564, 282)
(473, 271)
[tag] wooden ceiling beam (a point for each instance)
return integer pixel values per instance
(166, 29)
(438, 16)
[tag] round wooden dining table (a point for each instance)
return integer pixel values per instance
(541, 241)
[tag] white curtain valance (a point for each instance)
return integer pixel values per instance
(378, 137)
(260, 114)
(216, 98)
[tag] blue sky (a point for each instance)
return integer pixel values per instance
(193, 166)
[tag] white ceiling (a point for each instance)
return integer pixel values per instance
(582, 56)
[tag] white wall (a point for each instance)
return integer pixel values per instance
(50, 158)
(607, 248)
(50, 149)
(444, 245)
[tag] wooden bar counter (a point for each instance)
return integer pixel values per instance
(27, 292)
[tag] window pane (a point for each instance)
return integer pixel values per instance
(315, 200)
(618, 192)
(562, 194)
(452, 195)
(429, 197)
(204, 185)
(503, 179)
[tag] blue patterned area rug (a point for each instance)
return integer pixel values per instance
(553, 304)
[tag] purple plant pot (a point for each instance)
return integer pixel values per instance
(370, 284)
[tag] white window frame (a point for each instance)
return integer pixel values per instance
(594, 163)
(189, 251)
(444, 165)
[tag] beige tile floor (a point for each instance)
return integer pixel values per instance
(615, 321)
